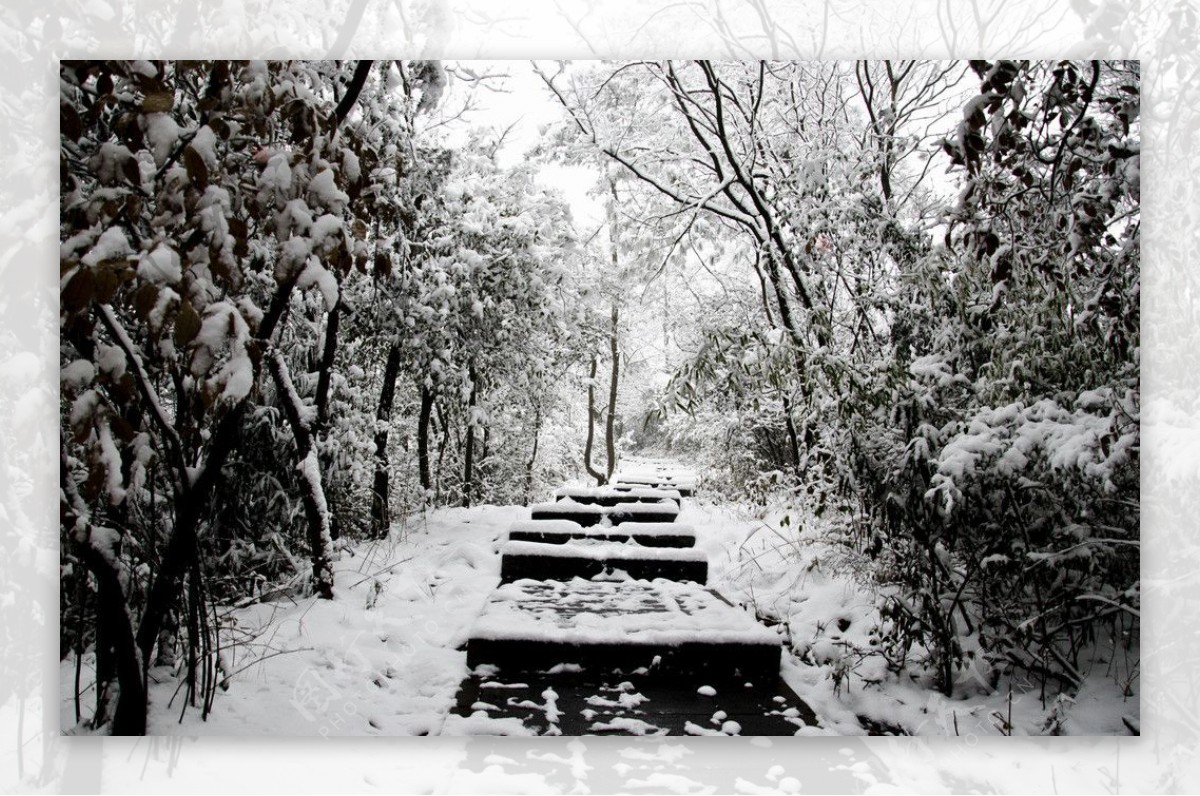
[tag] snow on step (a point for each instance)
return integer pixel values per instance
(647, 534)
(685, 485)
(625, 704)
(590, 558)
(663, 511)
(611, 496)
(589, 514)
(659, 626)
(579, 513)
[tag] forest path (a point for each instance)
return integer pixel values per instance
(604, 624)
(389, 655)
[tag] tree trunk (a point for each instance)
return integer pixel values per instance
(312, 492)
(591, 427)
(115, 637)
(117, 627)
(325, 370)
(108, 689)
(537, 430)
(481, 464)
(793, 438)
(614, 239)
(443, 444)
(423, 423)
(468, 486)
(380, 509)
(324, 377)
(610, 442)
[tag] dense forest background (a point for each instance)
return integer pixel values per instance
(302, 301)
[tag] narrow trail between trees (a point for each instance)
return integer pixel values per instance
(510, 620)
(635, 609)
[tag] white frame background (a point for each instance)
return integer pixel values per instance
(35, 33)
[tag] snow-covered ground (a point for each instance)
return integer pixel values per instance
(382, 658)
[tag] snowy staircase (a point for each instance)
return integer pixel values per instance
(603, 592)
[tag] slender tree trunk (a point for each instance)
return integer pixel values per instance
(610, 441)
(108, 689)
(312, 493)
(793, 438)
(443, 444)
(468, 486)
(482, 463)
(591, 427)
(353, 89)
(324, 378)
(380, 497)
(423, 423)
(115, 637)
(130, 715)
(537, 430)
(614, 239)
(325, 370)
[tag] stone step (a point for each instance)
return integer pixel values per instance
(660, 628)
(592, 558)
(663, 511)
(581, 514)
(590, 514)
(647, 534)
(574, 702)
(685, 486)
(611, 496)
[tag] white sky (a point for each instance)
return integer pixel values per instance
(522, 100)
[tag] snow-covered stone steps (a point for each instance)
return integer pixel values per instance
(612, 496)
(663, 511)
(602, 625)
(594, 558)
(647, 534)
(591, 514)
(684, 485)
(656, 628)
(566, 701)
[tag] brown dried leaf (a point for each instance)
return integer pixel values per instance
(104, 285)
(131, 171)
(187, 324)
(69, 124)
(383, 265)
(122, 429)
(196, 169)
(144, 300)
(78, 291)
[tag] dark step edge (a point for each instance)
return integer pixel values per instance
(587, 519)
(704, 661)
(609, 501)
(619, 517)
(658, 540)
(562, 568)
